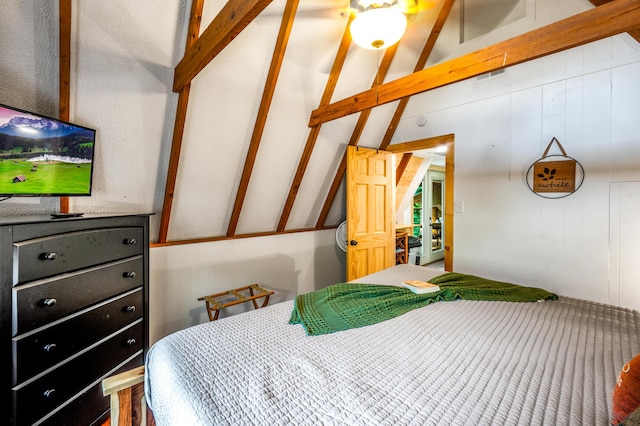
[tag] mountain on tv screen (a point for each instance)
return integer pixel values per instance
(42, 156)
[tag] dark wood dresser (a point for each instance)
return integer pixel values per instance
(73, 310)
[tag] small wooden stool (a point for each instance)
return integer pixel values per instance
(255, 292)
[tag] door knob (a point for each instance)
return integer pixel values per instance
(353, 242)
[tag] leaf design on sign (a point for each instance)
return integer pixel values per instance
(548, 174)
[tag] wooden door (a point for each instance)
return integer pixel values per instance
(370, 216)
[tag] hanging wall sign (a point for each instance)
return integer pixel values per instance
(555, 176)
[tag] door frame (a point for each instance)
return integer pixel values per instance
(430, 143)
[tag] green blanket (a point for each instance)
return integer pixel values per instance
(346, 305)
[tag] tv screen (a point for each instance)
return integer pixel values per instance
(42, 156)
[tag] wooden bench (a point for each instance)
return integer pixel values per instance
(255, 292)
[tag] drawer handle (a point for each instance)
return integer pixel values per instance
(129, 241)
(49, 393)
(50, 347)
(48, 256)
(129, 274)
(49, 302)
(130, 308)
(131, 342)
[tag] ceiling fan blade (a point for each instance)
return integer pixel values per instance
(411, 7)
(334, 9)
(325, 13)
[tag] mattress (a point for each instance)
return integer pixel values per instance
(455, 363)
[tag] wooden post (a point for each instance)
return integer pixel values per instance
(128, 404)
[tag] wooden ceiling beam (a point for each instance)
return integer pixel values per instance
(338, 63)
(64, 18)
(604, 21)
(263, 111)
(235, 237)
(381, 73)
(633, 33)
(426, 143)
(232, 19)
(420, 64)
(193, 30)
(402, 166)
(332, 82)
(65, 10)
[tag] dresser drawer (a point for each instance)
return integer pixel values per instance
(35, 352)
(39, 303)
(37, 398)
(56, 254)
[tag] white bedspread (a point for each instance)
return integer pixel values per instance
(449, 363)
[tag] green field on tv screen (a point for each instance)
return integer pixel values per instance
(19, 177)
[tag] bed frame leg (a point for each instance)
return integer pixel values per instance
(128, 404)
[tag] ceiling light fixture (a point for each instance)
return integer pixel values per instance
(378, 27)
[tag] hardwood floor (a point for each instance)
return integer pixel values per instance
(436, 265)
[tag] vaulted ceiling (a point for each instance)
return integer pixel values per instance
(316, 95)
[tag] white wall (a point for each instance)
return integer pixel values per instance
(289, 264)
(588, 98)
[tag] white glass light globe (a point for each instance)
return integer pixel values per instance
(378, 28)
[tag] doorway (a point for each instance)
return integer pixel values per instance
(447, 187)
(427, 214)
(433, 217)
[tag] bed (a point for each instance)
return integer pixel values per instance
(463, 362)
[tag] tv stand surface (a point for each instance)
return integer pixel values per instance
(65, 215)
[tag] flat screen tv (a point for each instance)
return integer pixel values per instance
(42, 156)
